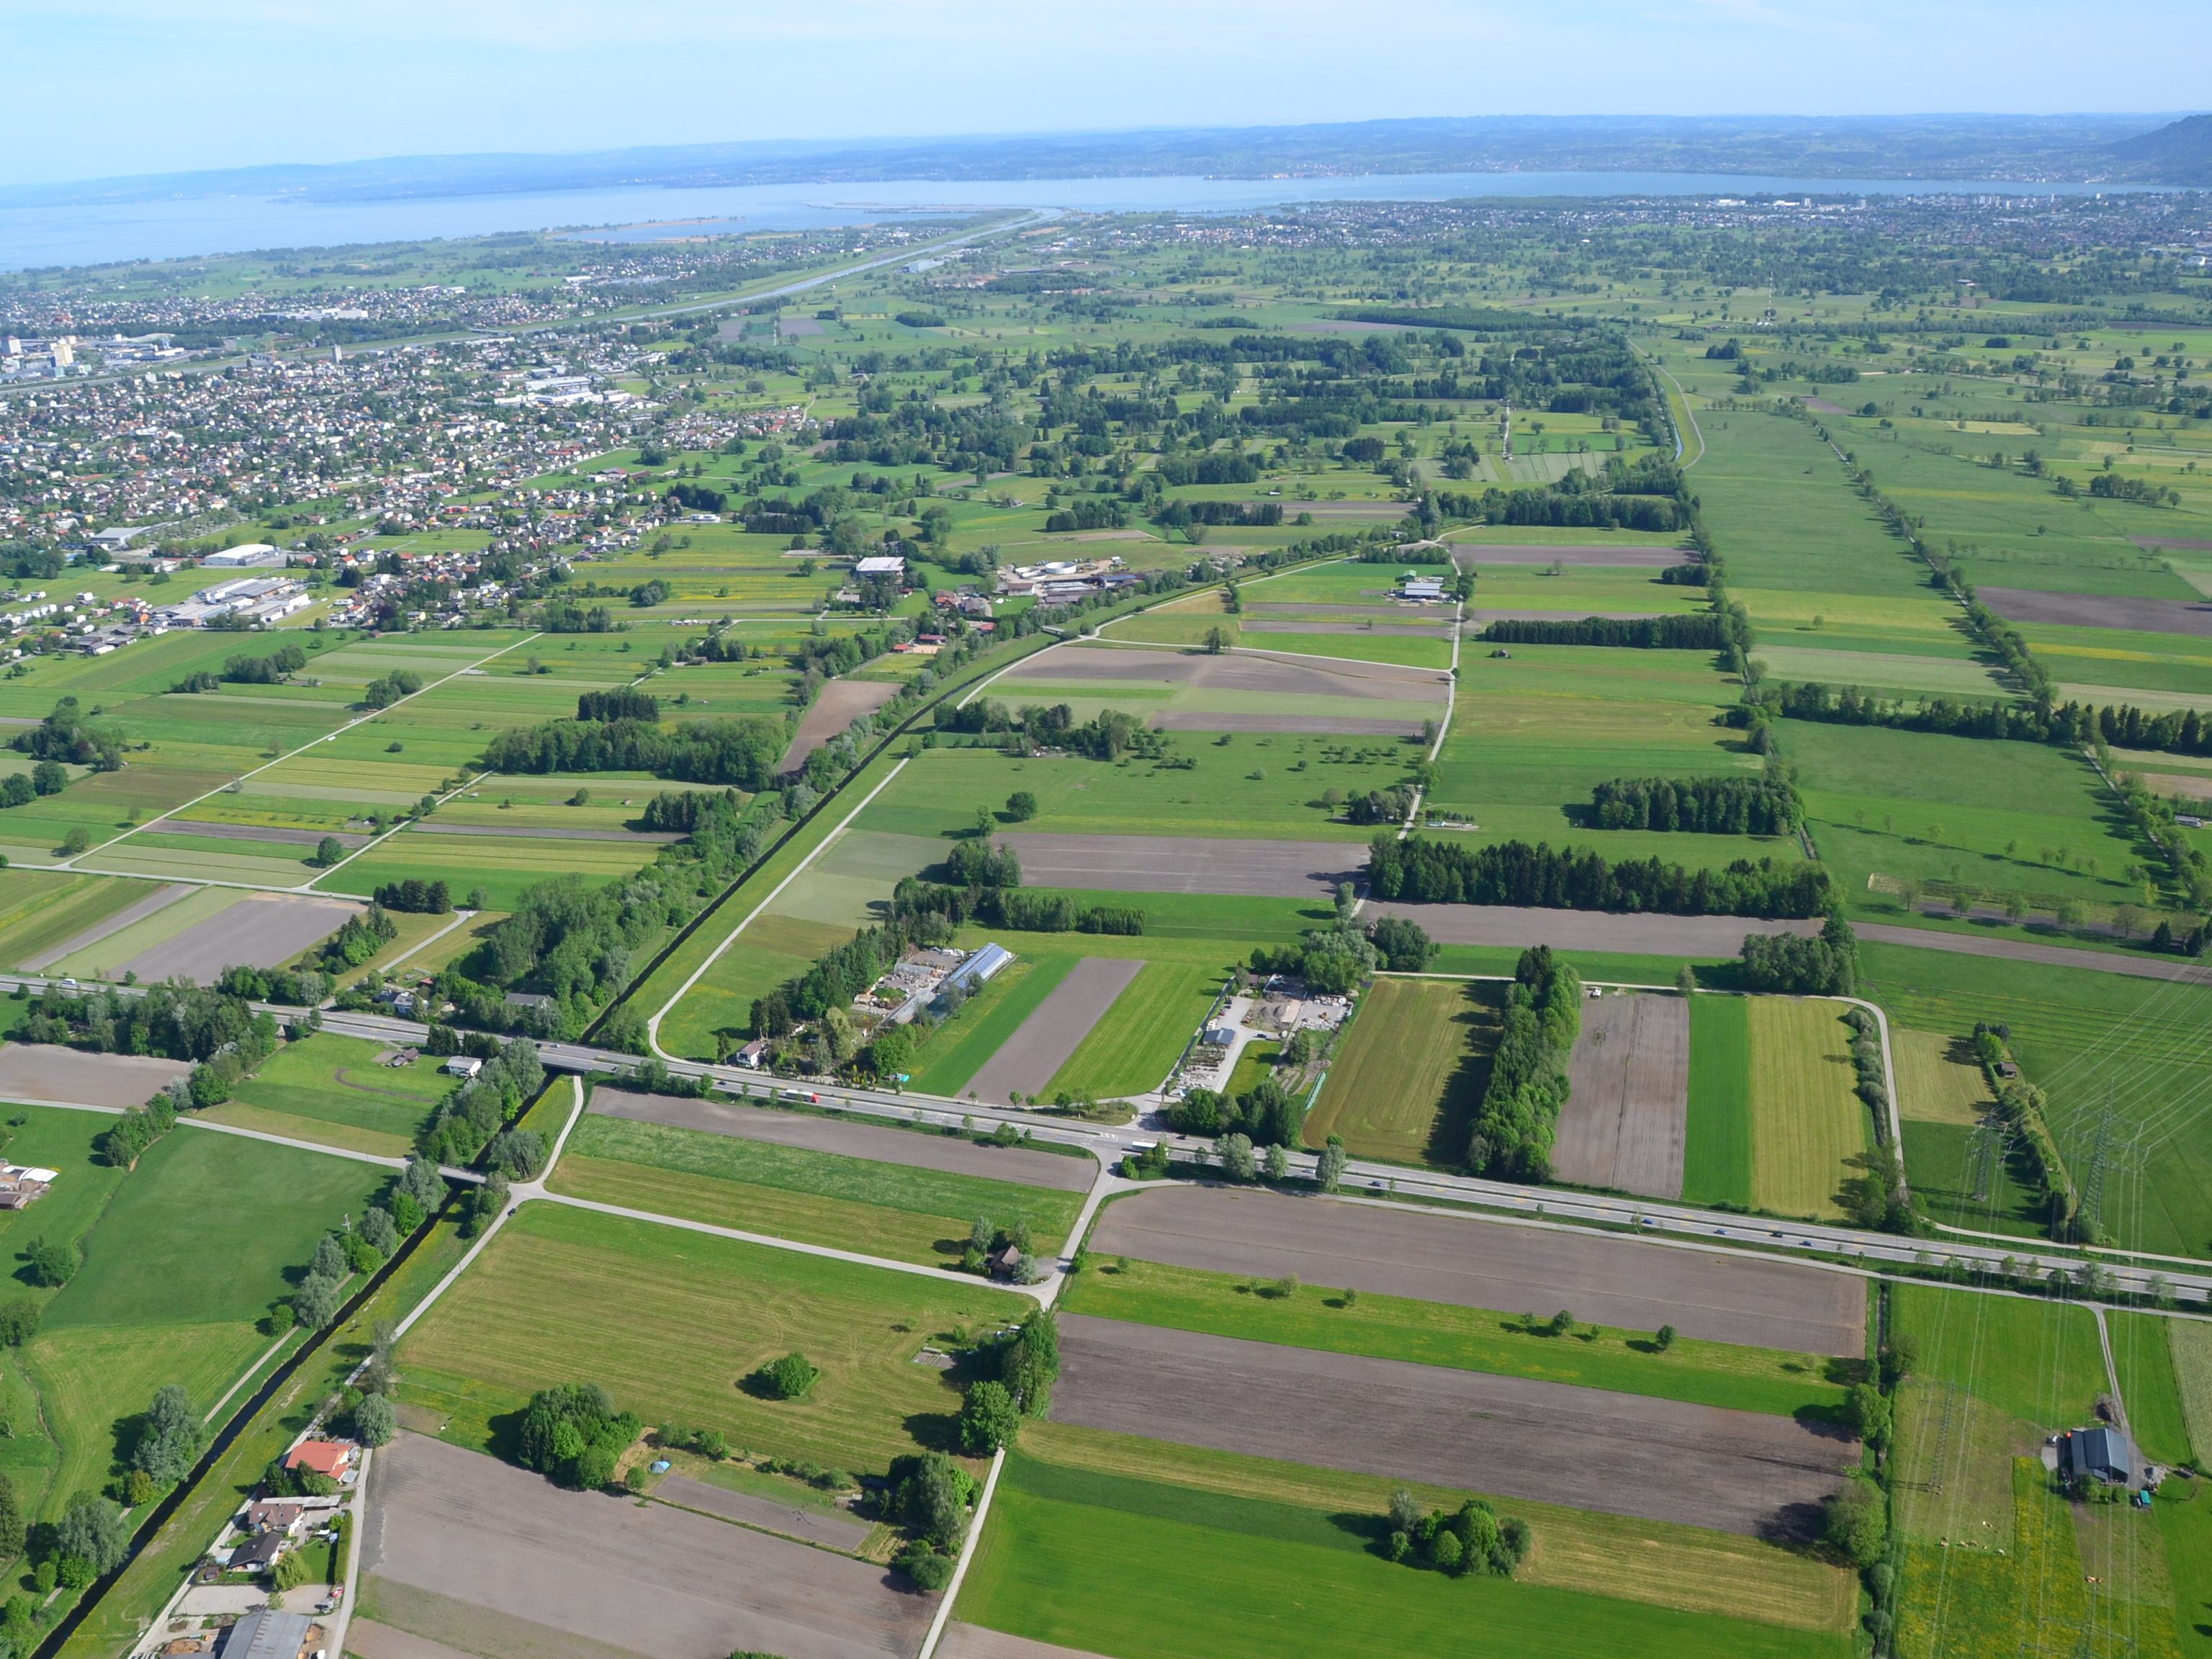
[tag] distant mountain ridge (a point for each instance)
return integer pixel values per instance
(2178, 154)
(2151, 149)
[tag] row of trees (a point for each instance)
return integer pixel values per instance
(741, 753)
(1515, 1125)
(1766, 806)
(414, 1193)
(1696, 631)
(1513, 872)
(2070, 726)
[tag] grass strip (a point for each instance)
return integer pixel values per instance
(1717, 1158)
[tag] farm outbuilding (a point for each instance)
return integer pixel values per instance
(2099, 1454)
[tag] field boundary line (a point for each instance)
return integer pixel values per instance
(460, 918)
(967, 1554)
(246, 1376)
(653, 1025)
(327, 736)
(469, 1256)
(450, 1173)
(1039, 1291)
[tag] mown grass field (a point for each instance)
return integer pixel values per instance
(1253, 787)
(327, 1087)
(1805, 1120)
(2190, 1346)
(1132, 1048)
(820, 1198)
(1716, 1153)
(2144, 1358)
(1406, 1082)
(1141, 1569)
(1465, 1338)
(42, 909)
(671, 1322)
(2092, 1041)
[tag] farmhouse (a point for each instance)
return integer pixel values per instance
(259, 1552)
(2098, 1453)
(462, 1065)
(333, 1458)
(20, 1186)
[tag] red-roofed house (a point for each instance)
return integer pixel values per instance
(325, 1457)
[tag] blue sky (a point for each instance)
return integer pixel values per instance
(104, 87)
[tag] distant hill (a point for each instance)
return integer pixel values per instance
(1993, 147)
(2178, 154)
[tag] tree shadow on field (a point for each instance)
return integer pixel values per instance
(503, 1439)
(1373, 1530)
(1478, 1019)
(1827, 1422)
(938, 1431)
(1794, 1527)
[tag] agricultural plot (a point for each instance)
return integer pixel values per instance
(1659, 1460)
(1691, 1370)
(1625, 1120)
(1034, 1053)
(46, 911)
(2098, 1045)
(669, 1321)
(1219, 1556)
(1174, 864)
(339, 1091)
(955, 1050)
(1716, 1156)
(1410, 1072)
(1511, 927)
(1619, 1282)
(1805, 1120)
(45, 1072)
(1241, 691)
(464, 1554)
(1137, 1041)
(1270, 786)
(845, 1185)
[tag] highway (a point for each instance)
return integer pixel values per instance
(1680, 1224)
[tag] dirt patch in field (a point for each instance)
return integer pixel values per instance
(1188, 864)
(1472, 1263)
(159, 899)
(262, 930)
(836, 1532)
(1628, 1106)
(974, 1642)
(1335, 726)
(1620, 1454)
(647, 1577)
(1476, 616)
(1585, 930)
(255, 832)
(1031, 1058)
(868, 1141)
(840, 703)
(1624, 558)
(39, 1071)
(2025, 604)
(539, 833)
(1243, 672)
(1385, 630)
